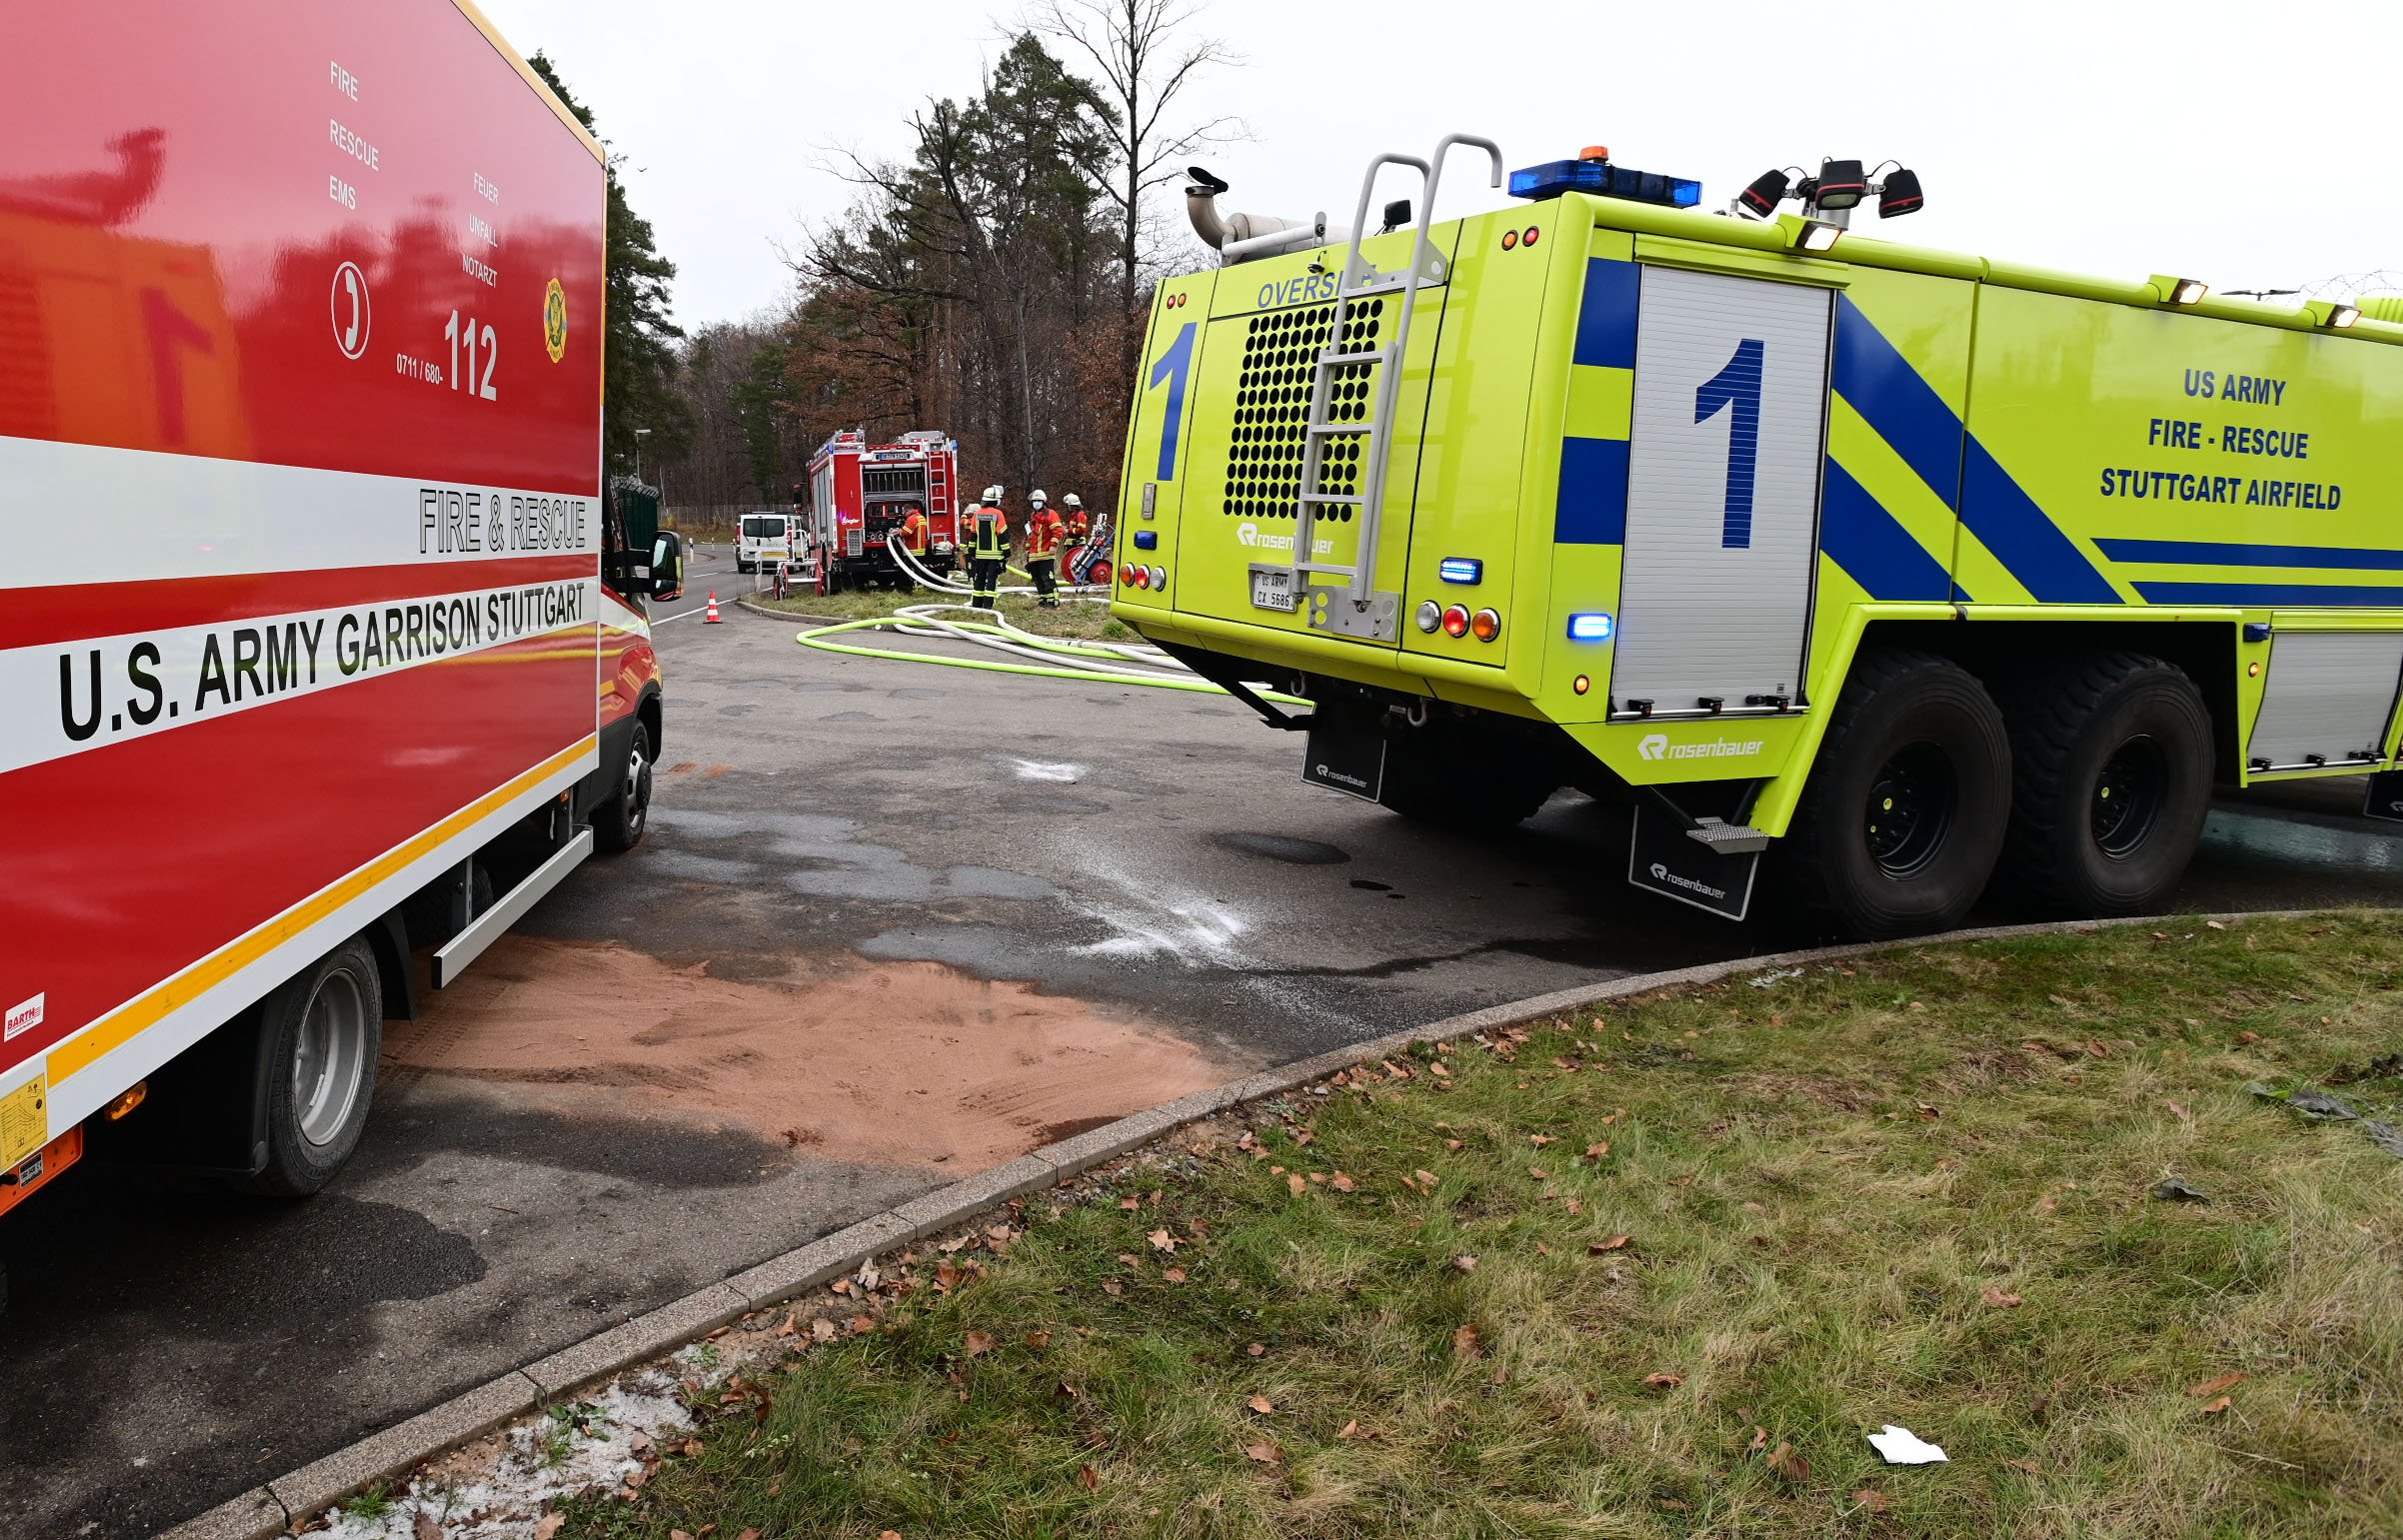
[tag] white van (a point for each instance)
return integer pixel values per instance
(765, 539)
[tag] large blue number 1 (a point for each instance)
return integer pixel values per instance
(1736, 385)
(1173, 367)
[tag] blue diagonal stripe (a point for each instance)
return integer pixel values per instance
(2212, 553)
(2261, 595)
(1606, 314)
(2047, 563)
(1871, 545)
(1892, 398)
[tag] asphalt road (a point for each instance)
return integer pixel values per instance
(779, 1014)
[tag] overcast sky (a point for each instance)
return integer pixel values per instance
(2250, 146)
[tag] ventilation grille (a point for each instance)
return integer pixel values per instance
(1272, 405)
(28, 402)
(910, 478)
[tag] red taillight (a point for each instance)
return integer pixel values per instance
(1456, 621)
(1143, 577)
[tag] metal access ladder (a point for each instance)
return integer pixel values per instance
(1356, 607)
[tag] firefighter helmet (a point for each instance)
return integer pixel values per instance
(993, 493)
(1036, 497)
(1071, 501)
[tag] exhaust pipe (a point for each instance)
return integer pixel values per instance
(1242, 237)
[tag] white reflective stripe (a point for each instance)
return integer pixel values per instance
(63, 700)
(81, 513)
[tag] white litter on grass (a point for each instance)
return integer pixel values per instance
(1902, 1446)
(1037, 769)
(1774, 976)
(540, 1462)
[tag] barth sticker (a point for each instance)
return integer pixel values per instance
(555, 320)
(24, 1016)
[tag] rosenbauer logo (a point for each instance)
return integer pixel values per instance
(1661, 874)
(1249, 534)
(1657, 745)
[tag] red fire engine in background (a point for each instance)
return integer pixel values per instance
(857, 494)
(310, 565)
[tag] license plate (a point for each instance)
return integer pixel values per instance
(1273, 589)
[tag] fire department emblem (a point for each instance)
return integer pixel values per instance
(555, 320)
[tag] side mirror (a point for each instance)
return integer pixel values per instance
(667, 565)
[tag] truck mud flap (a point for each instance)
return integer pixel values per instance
(2385, 800)
(1347, 760)
(1662, 859)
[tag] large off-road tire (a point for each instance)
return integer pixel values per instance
(618, 823)
(2110, 783)
(1902, 818)
(1433, 774)
(322, 1030)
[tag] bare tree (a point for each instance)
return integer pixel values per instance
(1144, 63)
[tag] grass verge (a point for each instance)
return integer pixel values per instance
(1073, 621)
(1658, 1269)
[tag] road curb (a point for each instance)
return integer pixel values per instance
(269, 1510)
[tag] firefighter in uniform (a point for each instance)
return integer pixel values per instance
(988, 544)
(1077, 530)
(914, 532)
(1045, 532)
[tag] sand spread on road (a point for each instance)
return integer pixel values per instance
(896, 1063)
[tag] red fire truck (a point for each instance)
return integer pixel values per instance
(859, 494)
(310, 568)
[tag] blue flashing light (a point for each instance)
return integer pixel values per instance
(1604, 180)
(1460, 568)
(1146, 540)
(1595, 626)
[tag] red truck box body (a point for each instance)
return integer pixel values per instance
(300, 501)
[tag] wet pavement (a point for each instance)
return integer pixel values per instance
(989, 908)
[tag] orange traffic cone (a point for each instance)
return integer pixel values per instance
(711, 619)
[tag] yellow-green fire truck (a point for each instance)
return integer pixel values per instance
(1902, 570)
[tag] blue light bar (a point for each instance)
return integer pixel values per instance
(1591, 627)
(1604, 180)
(1146, 540)
(1460, 568)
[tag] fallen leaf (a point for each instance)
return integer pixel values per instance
(2217, 1383)
(2215, 1406)
(1349, 1430)
(1038, 1339)
(692, 1449)
(678, 1534)
(1466, 1343)
(1113, 1286)
(1452, 1144)
(1788, 1464)
(2183, 1112)
(1597, 1151)
(1265, 1454)
(551, 1523)
(1664, 1381)
(1437, 1069)
(1465, 1262)
(862, 1326)
(1131, 1204)
(1341, 1182)
(1089, 1478)
(2024, 1467)
(1875, 1502)
(1539, 1139)
(1539, 1173)
(748, 1534)
(2214, 924)
(1542, 1251)
(977, 1342)
(1296, 1184)
(2001, 1299)
(1256, 1350)
(2249, 1038)
(633, 1479)
(890, 1534)
(1262, 1405)
(426, 1526)
(1161, 1240)
(945, 1276)
(791, 1326)
(1760, 1439)
(1426, 1180)
(1614, 1243)
(1172, 1274)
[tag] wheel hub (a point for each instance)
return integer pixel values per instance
(2127, 796)
(1910, 808)
(331, 1059)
